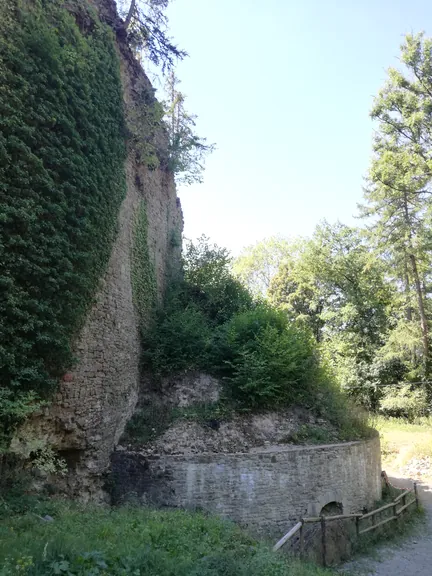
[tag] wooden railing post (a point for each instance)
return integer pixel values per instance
(357, 526)
(416, 495)
(403, 505)
(323, 541)
(302, 538)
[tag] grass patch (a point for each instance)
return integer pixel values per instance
(402, 440)
(135, 541)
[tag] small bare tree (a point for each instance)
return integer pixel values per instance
(188, 151)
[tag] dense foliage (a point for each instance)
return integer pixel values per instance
(62, 182)
(132, 541)
(265, 360)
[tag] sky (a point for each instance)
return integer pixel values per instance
(284, 89)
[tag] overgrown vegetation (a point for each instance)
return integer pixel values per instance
(143, 274)
(211, 322)
(62, 182)
(334, 285)
(131, 541)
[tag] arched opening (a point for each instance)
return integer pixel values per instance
(331, 509)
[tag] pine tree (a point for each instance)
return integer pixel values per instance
(398, 194)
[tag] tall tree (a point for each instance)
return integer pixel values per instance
(398, 194)
(336, 289)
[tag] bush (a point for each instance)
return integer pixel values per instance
(265, 360)
(210, 284)
(179, 341)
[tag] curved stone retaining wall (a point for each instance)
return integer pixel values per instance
(266, 489)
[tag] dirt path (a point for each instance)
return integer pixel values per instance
(412, 556)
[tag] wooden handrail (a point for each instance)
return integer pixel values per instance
(377, 525)
(287, 536)
(406, 506)
(403, 495)
(378, 510)
(328, 518)
(358, 517)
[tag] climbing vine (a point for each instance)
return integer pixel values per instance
(143, 273)
(61, 185)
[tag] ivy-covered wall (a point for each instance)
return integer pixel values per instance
(144, 287)
(62, 182)
(86, 231)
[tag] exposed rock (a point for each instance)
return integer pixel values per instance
(242, 433)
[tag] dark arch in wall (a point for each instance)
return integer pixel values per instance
(331, 509)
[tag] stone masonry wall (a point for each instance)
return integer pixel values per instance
(267, 490)
(96, 399)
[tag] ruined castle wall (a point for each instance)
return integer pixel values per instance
(267, 490)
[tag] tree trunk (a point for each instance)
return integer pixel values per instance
(408, 310)
(130, 13)
(422, 312)
(420, 300)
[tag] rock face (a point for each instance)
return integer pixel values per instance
(97, 398)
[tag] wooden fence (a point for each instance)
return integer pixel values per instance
(399, 505)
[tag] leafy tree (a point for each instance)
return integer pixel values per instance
(335, 288)
(257, 264)
(398, 195)
(295, 289)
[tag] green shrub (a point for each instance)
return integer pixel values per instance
(61, 183)
(265, 360)
(178, 342)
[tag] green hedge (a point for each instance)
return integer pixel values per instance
(62, 181)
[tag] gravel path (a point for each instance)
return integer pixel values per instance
(412, 556)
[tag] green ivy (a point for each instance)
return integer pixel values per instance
(143, 274)
(61, 182)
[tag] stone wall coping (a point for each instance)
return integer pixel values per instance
(267, 450)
